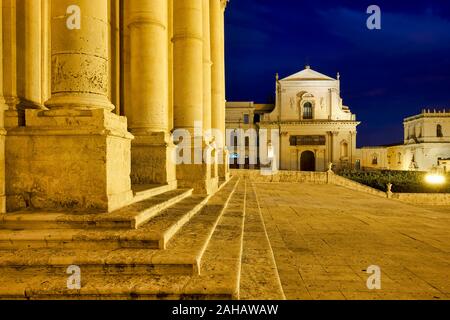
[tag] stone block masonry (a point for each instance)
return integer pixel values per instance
(92, 103)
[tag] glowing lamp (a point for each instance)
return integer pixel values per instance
(434, 178)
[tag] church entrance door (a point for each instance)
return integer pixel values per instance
(308, 161)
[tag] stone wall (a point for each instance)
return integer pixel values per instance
(436, 199)
(282, 176)
(350, 184)
(331, 178)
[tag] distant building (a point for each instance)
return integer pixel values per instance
(243, 115)
(426, 145)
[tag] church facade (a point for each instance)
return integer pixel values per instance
(315, 127)
(91, 91)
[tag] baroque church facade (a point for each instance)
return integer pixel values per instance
(315, 127)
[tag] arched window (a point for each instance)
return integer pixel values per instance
(307, 111)
(439, 131)
(399, 158)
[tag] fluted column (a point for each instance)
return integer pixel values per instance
(217, 9)
(147, 22)
(188, 48)
(80, 72)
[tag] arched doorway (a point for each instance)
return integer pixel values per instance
(308, 161)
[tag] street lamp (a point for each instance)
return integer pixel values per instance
(435, 179)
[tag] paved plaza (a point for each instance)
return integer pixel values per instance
(325, 237)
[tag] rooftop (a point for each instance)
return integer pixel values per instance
(308, 74)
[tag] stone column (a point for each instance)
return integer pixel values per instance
(9, 53)
(29, 36)
(77, 154)
(170, 61)
(80, 75)
(335, 145)
(188, 44)
(148, 109)
(116, 54)
(217, 9)
(207, 64)
(207, 93)
(3, 108)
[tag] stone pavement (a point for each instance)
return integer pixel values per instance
(324, 238)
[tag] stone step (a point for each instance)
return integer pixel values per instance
(104, 287)
(182, 255)
(145, 191)
(129, 217)
(218, 279)
(221, 262)
(259, 273)
(155, 234)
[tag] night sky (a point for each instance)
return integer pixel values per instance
(386, 74)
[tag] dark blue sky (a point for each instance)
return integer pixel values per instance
(386, 74)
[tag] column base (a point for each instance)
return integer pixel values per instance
(151, 159)
(2, 171)
(198, 177)
(202, 177)
(2, 204)
(69, 160)
(12, 119)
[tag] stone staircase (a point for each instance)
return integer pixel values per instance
(167, 244)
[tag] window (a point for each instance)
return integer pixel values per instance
(399, 158)
(307, 111)
(307, 140)
(293, 141)
(375, 160)
(246, 119)
(439, 131)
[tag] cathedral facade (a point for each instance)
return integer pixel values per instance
(315, 127)
(92, 91)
